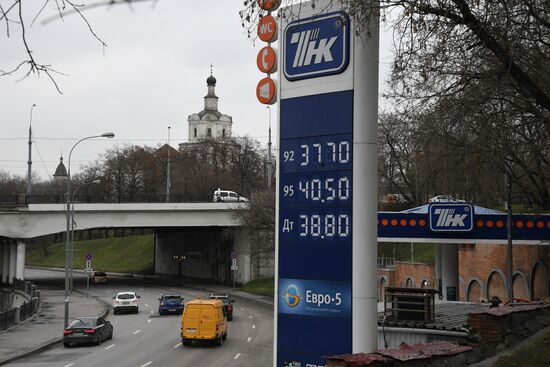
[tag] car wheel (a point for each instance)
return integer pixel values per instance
(137, 310)
(230, 318)
(186, 342)
(98, 341)
(225, 336)
(110, 335)
(115, 312)
(219, 341)
(66, 345)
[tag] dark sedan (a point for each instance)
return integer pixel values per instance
(171, 303)
(87, 330)
(227, 302)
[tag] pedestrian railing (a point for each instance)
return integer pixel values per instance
(26, 310)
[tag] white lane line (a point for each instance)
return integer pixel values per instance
(148, 321)
(146, 364)
(110, 346)
(69, 365)
(237, 355)
(146, 305)
(242, 309)
(142, 289)
(249, 339)
(253, 326)
(250, 316)
(137, 331)
(177, 345)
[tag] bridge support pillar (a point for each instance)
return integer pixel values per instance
(5, 262)
(20, 261)
(13, 258)
(449, 271)
(438, 259)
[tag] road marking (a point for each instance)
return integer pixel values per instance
(69, 365)
(242, 309)
(146, 364)
(249, 339)
(237, 355)
(148, 321)
(152, 312)
(110, 346)
(137, 331)
(253, 326)
(177, 345)
(146, 305)
(142, 289)
(250, 316)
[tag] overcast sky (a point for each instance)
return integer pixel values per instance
(152, 75)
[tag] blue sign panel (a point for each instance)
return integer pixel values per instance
(316, 46)
(315, 228)
(451, 217)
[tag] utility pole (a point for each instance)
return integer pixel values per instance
(269, 165)
(168, 169)
(29, 161)
(509, 253)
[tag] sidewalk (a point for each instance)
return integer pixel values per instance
(46, 328)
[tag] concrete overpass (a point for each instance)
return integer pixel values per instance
(178, 227)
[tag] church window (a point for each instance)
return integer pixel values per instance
(209, 132)
(195, 132)
(223, 133)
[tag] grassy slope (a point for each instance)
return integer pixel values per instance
(423, 252)
(265, 287)
(535, 355)
(117, 254)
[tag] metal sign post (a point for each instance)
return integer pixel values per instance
(88, 270)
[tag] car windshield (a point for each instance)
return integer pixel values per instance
(84, 322)
(223, 298)
(125, 296)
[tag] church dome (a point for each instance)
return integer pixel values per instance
(211, 80)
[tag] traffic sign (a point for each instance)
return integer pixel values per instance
(234, 262)
(234, 254)
(267, 29)
(269, 5)
(88, 270)
(267, 60)
(88, 264)
(234, 267)
(266, 91)
(88, 256)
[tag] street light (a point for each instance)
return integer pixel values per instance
(73, 200)
(68, 215)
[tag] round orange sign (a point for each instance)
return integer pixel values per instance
(267, 29)
(266, 91)
(269, 5)
(267, 60)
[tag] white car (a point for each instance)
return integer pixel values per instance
(225, 196)
(126, 301)
(445, 199)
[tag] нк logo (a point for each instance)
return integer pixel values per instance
(451, 217)
(316, 46)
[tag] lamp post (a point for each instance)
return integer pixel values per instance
(29, 161)
(68, 231)
(73, 200)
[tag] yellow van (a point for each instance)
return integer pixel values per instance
(204, 320)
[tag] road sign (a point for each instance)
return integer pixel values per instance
(234, 254)
(269, 5)
(267, 29)
(234, 262)
(266, 91)
(267, 60)
(88, 256)
(234, 267)
(88, 264)
(88, 270)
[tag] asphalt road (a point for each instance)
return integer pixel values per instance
(147, 339)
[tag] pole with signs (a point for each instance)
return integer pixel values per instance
(88, 270)
(327, 236)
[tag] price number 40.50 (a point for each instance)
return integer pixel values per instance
(317, 189)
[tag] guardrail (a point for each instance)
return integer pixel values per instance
(23, 199)
(26, 310)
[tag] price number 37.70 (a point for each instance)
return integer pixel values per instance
(320, 153)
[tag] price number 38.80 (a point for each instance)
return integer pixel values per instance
(324, 226)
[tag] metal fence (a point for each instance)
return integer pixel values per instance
(26, 310)
(386, 263)
(20, 200)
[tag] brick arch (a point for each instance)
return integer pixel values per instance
(382, 284)
(475, 291)
(425, 281)
(496, 285)
(520, 285)
(539, 281)
(409, 282)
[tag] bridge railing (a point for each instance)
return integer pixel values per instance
(26, 310)
(89, 199)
